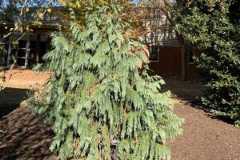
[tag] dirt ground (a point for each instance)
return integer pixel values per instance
(23, 79)
(204, 138)
(23, 136)
(186, 90)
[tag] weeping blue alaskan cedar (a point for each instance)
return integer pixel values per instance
(101, 105)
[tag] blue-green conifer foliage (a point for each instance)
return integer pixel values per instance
(101, 102)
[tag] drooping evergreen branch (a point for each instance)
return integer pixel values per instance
(99, 100)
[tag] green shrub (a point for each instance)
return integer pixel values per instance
(99, 98)
(213, 27)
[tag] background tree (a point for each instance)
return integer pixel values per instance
(101, 100)
(213, 27)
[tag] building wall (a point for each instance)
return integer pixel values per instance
(169, 62)
(175, 61)
(166, 51)
(27, 49)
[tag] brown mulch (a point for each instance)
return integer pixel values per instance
(24, 136)
(204, 138)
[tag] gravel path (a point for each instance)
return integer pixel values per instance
(204, 138)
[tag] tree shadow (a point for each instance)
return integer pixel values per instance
(190, 92)
(10, 99)
(222, 118)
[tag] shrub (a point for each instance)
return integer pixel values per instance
(213, 27)
(99, 100)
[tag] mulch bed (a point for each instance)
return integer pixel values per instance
(24, 136)
(204, 138)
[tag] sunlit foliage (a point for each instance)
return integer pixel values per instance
(101, 100)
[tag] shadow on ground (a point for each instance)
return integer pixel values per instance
(23, 135)
(205, 137)
(10, 99)
(190, 91)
